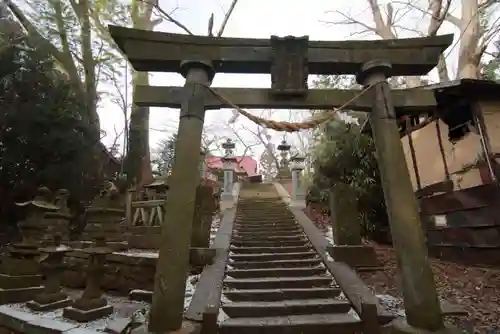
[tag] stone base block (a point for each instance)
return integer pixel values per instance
(20, 281)
(19, 295)
(141, 295)
(87, 315)
(356, 256)
(400, 326)
(36, 306)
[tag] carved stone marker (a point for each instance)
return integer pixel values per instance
(202, 221)
(52, 297)
(20, 280)
(347, 229)
(92, 305)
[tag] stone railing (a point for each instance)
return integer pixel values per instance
(145, 213)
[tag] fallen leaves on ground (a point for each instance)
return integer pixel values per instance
(475, 289)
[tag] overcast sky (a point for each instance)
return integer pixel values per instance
(251, 19)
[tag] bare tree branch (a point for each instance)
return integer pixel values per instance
(226, 18)
(168, 17)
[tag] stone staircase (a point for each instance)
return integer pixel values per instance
(274, 281)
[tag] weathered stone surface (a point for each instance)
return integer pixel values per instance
(400, 326)
(344, 215)
(118, 326)
(356, 256)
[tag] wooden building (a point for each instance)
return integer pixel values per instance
(453, 157)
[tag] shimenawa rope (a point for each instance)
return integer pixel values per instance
(288, 126)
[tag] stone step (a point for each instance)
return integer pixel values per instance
(261, 223)
(275, 272)
(281, 294)
(257, 250)
(339, 323)
(265, 243)
(285, 307)
(279, 283)
(271, 238)
(263, 230)
(294, 263)
(264, 218)
(295, 231)
(273, 257)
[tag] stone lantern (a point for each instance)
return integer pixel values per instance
(284, 171)
(52, 297)
(228, 165)
(297, 166)
(92, 304)
(203, 165)
(19, 271)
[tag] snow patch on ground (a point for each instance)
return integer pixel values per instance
(391, 304)
(329, 234)
(123, 308)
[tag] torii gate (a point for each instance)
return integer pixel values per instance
(289, 60)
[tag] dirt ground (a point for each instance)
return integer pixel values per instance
(473, 288)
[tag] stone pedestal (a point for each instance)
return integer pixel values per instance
(52, 297)
(346, 228)
(92, 305)
(20, 279)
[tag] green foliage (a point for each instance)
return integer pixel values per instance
(490, 70)
(43, 140)
(165, 155)
(343, 155)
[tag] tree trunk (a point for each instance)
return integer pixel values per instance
(468, 61)
(139, 171)
(89, 68)
(138, 158)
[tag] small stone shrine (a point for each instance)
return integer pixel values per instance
(52, 297)
(105, 214)
(92, 305)
(20, 280)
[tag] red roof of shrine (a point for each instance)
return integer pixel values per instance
(244, 164)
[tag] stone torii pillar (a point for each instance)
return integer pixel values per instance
(421, 301)
(173, 261)
(228, 165)
(297, 166)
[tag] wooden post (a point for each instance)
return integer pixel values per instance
(173, 263)
(413, 155)
(441, 149)
(419, 289)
